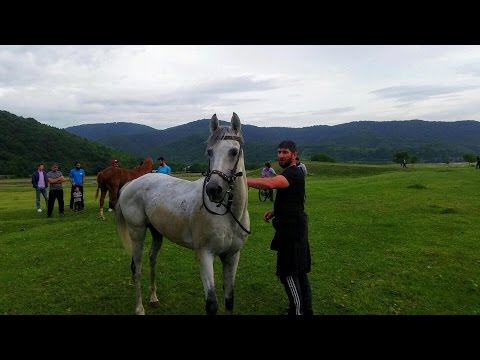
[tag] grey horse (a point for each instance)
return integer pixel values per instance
(209, 215)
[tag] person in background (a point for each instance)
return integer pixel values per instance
(268, 172)
(40, 184)
(163, 168)
(291, 229)
(114, 164)
(77, 176)
(302, 167)
(77, 199)
(55, 179)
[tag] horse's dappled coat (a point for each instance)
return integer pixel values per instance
(176, 209)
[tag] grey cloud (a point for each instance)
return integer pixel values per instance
(331, 111)
(208, 92)
(237, 84)
(30, 65)
(470, 69)
(334, 111)
(418, 93)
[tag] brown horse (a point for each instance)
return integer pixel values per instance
(113, 178)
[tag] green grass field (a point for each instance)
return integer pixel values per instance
(384, 240)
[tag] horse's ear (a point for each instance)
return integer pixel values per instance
(213, 123)
(236, 123)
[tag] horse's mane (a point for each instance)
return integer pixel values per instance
(219, 134)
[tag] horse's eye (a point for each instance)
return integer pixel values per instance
(233, 152)
(210, 152)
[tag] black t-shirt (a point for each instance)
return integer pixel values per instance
(290, 201)
(291, 226)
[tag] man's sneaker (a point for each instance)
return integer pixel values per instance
(39, 210)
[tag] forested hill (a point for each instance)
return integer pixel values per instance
(361, 141)
(24, 142)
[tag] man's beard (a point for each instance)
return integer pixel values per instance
(286, 163)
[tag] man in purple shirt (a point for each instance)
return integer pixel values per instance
(40, 184)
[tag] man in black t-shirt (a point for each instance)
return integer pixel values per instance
(291, 229)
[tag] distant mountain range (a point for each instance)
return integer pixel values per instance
(361, 141)
(25, 141)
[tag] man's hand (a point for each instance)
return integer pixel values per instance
(268, 215)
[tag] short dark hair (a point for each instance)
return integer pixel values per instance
(288, 144)
(161, 158)
(267, 164)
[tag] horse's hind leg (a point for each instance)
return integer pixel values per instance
(229, 263)
(156, 245)
(102, 201)
(137, 237)
(206, 258)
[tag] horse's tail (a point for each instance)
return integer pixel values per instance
(122, 228)
(96, 194)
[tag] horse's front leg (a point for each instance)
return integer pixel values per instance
(205, 257)
(229, 263)
(156, 245)
(113, 197)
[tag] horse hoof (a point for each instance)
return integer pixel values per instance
(102, 217)
(140, 311)
(154, 304)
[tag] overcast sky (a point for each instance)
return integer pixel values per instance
(266, 85)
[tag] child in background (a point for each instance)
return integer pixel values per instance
(77, 199)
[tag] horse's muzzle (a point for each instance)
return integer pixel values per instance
(214, 191)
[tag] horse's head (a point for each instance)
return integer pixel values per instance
(225, 157)
(147, 165)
